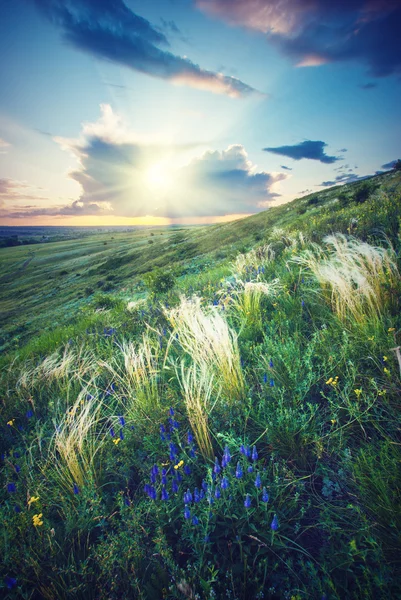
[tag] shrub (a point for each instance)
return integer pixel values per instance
(160, 281)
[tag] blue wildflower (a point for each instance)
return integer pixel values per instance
(171, 411)
(29, 414)
(174, 486)
(121, 434)
(164, 493)
(192, 452)
(247, 501)
(187, 470)
(216, 468)
(164, 477)
(302, 303)
(10, 582)
(238, 471)
(17, 468)
(122, 420)
(75, 489)
(155, 470)
(187, 497)
(242, 449)
(265, 495)
(224, 483)
(11, 488)
(274, 523)
(271, 363)
(254, 453)
(190, 437)
(258, 481)
(17, 508)
(250, 469)
(196, 495)
(227, 455)
(112, 432)
(217, 492)
(271, 382)
(187, 513)
(265, 378)
(195, 521)
(204, 485)
(127, 501)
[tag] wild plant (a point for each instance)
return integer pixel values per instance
(136, 372)
(247, 300)
(77, 440)
(253, 262)
(354, 273)
(197, 384)
(206, 336)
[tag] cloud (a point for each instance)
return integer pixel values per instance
(109, 30)
(3, 146)
(308, 149)
(345, 178)
(13, 190)
(286, 168)
(314, 32)
(390, 165)
(123, 175)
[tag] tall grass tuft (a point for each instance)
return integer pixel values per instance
(71, 363)
(354, 272)
(252, 260)
(247, 303)
(197, 386)
(76, 442)
(137, 375)
(211, 343)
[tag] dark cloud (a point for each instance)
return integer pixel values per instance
(109, 30)
(389, 165)
(345, 178)
(368, 86)
(314, 150)
(171, 26)
(314, 32)
(286, 168)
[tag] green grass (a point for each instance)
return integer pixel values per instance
(266, 388)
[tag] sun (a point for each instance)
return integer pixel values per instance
(158, 177)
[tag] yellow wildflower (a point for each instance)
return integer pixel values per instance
(179, 465)
(328, 382)
(390, 329)
(32, 499)
(37, 520)
(116, 441)
(386, 370)
(11, 422)
(358, 392)
(371, 338)
(332, 382)
(382, 392)
(385, 359)
(333, 421)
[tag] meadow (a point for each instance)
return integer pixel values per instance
(207, 412)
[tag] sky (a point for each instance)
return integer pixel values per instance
(139, 112)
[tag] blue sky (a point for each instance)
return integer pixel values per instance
(117, 112)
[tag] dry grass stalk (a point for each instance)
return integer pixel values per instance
(211, 343)
(197, 386)
(354, 272)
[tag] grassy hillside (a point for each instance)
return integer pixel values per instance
(236, 435)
